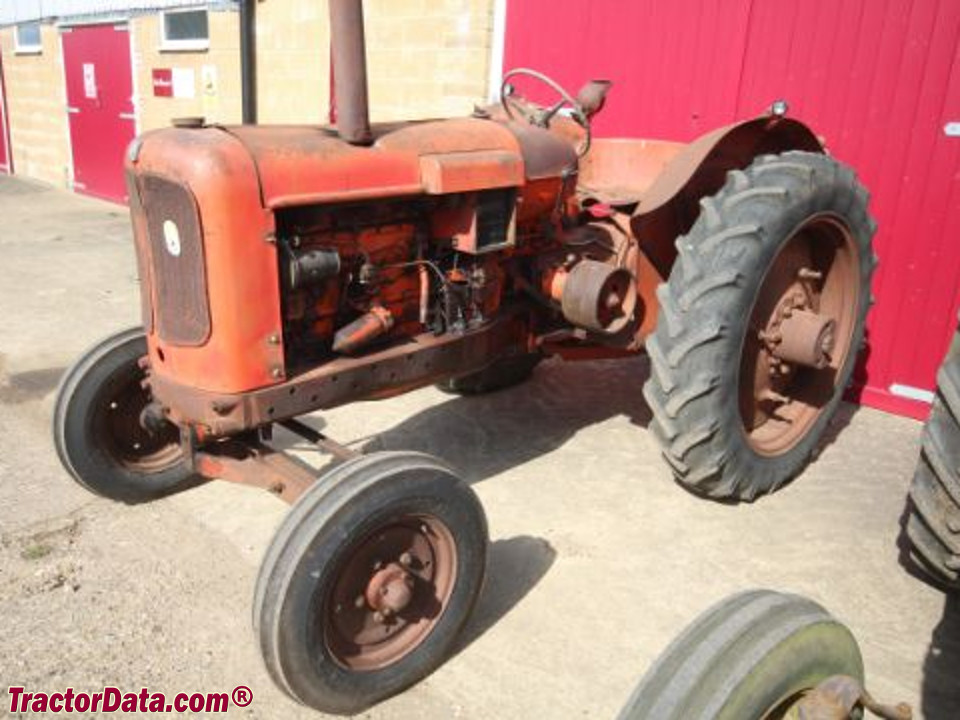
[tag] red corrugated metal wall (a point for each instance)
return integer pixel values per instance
(879, 79)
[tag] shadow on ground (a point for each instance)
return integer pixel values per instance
(941, 685)
(31, 385)
(484, 435)
(514, 567)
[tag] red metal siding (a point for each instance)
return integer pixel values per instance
(96, 62)
(878, 79)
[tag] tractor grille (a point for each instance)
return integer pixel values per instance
(182, 310)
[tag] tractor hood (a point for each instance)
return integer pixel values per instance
(297, 165)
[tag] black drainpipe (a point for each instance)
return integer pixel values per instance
(248, 60)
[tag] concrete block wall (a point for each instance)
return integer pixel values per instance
(218, 102)
(427, 58)
(36, 108)
(293, 62)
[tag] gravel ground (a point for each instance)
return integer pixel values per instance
(597, 559)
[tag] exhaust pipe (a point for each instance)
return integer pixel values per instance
(350, 71)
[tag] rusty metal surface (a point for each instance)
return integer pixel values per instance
(670, 205)
(256, 464)
(837, 697)
(363, 331)
(178, 268)
(598, 296)
(619, 171)
(240, 262)
(800, 333)
(389, 591)
(350, 70)
(419, 361)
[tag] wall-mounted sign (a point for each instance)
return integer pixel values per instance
(184, 83)
(162, 82)
(174, 82)
(89, 81)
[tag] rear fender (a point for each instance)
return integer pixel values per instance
(671, 205)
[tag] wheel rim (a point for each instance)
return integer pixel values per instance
(389, 592)
(799, 335)
(120, 430)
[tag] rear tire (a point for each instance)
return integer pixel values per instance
(503, 373)
(735, 421)
(97, 430)
(933, 520)
(750, 657)
(384, 525)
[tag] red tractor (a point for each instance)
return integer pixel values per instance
(286, 270)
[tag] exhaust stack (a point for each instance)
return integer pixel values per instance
(350, 71)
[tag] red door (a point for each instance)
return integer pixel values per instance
(6, 164)
(96, 61)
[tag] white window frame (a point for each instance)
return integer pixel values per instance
(167, 45)
(21, 49)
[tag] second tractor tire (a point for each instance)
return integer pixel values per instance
(750, 657)
(933, 520)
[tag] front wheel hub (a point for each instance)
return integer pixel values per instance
(390, 590)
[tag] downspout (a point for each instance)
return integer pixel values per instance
(248, 60)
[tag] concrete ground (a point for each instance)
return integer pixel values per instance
(597, 559)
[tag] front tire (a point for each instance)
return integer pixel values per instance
(369, 580)
(760, 324)
(97, 427)
(750, 657)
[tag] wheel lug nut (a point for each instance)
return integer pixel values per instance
(377, 564)
(805, 273)
(359, 602)
(378, 617)
(406, 559)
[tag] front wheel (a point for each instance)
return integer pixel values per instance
(101, 432)
(369, 580)
(760, 324)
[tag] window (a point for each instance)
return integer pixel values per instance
(27, 38)
(185, 30)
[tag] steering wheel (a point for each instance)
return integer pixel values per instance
(543, 118)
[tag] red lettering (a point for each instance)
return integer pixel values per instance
(143, 696)
(39, 703)
(56, 702)
(111, 699)
(180, 702)
(217, 702)
(129, 703)
(68, 697)
(157, 703)
(97, 697)
(83, 702)
(15, 693)
(25, 701)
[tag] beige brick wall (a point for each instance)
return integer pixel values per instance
(37, 108)
(218, 101)
(293, 61)
(427, 58)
